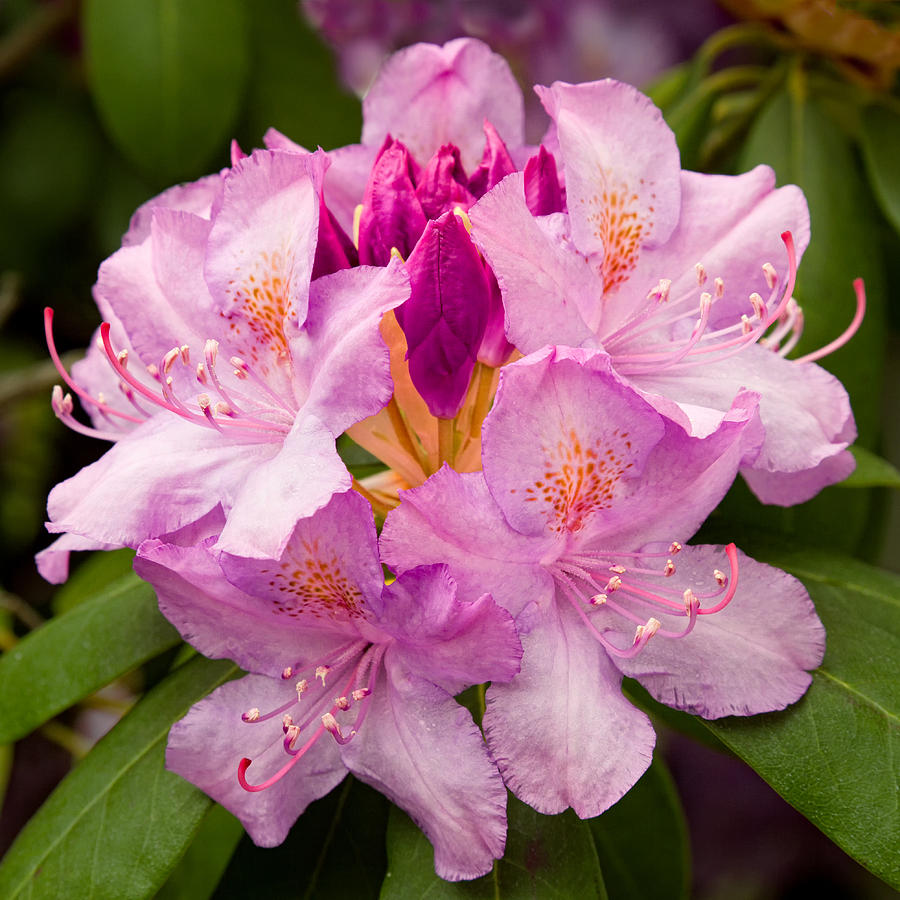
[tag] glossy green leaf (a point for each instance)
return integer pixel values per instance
(202, 866)
(335, 849)
(168, 78)
(79, 652)
(293, 85)
(91, 577)
(871, 471)
(642, 841)
(118, 823)
(835, 755)
(551, 857)
(880, 139)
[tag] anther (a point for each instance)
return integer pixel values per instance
(669, 568)
(122, 357)
(690, 599)
(211, 352)
(292, 732)
(223, 409)
(286, 721)
(771, 275)
(185, 352)
(721, 580)
(360, 694)
(287, 672)
(169, 359)
(746, 327)
(619, 570)
(342, 703)
(321, 672)
(201, 373)
(674, 548)
(701, 273)
(252, 715)
(720, 288)
(613, 584)
(643, 633)
(153, 371)
(598, 599)
(330, 724)
(705, 303)
(301, 687)
(759, 307)
(660, 293)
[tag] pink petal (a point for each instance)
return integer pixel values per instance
(427, 95)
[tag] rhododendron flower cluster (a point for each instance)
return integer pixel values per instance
(563, 355)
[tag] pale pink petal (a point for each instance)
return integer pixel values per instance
(621, 167)
(207, 745)
(550, 292)
(421, 749)
(427, 96)
(291, 483)
(453, 519)
(804, 410)
(561, 732)
(748, 658)
(53, 562)
(194, 197)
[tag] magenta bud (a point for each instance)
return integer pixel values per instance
(543, 195)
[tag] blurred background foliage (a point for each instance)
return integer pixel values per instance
(104, 103)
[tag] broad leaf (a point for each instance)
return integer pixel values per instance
(336, 849)
(648, 816)
(835, 755)
(91, 577)
(550, 857)
(79, 652)
(293, 85)
(168, 78)
(871, 471)
(880, 138)
(200, 869)
(119, 822)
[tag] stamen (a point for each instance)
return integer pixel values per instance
(860, 290)
(674, 548)
(360, 694)
(286, 721)
(461, 214)
(357, 215)
(251, 715)
(701, 274)
(245, 764)
(770, 274)
(669, 568)
(342, 703)
(731, 553)
(321, 672)
(301, 687)
(719, 291)
(287, 672)
(598, 600)
(660, 293)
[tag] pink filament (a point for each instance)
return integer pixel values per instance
(244, 764)
(860, 290)
(731, 553)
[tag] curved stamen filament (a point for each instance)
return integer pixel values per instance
(244, 764)
(731, 553)
(54, 355)
(860, 290)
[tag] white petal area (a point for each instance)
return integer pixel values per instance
(561, 732)
(292, 483)
(427, 96)
(164, 475)
(804, 410)
(550, 291)
(750, 657)
(207, 745)
(421, 749)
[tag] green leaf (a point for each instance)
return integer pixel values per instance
(880, 139)
(551, 857)
(201, 868)
(648, 816)
(91, 577)
(117, 823)
(336, 849)
(835, 755)
(78, 653)
(293, 85)
(871, 471)
(168, 78)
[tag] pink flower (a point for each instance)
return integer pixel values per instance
(348, 675)
(232, 370)
(577, 526)
(677, 275)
